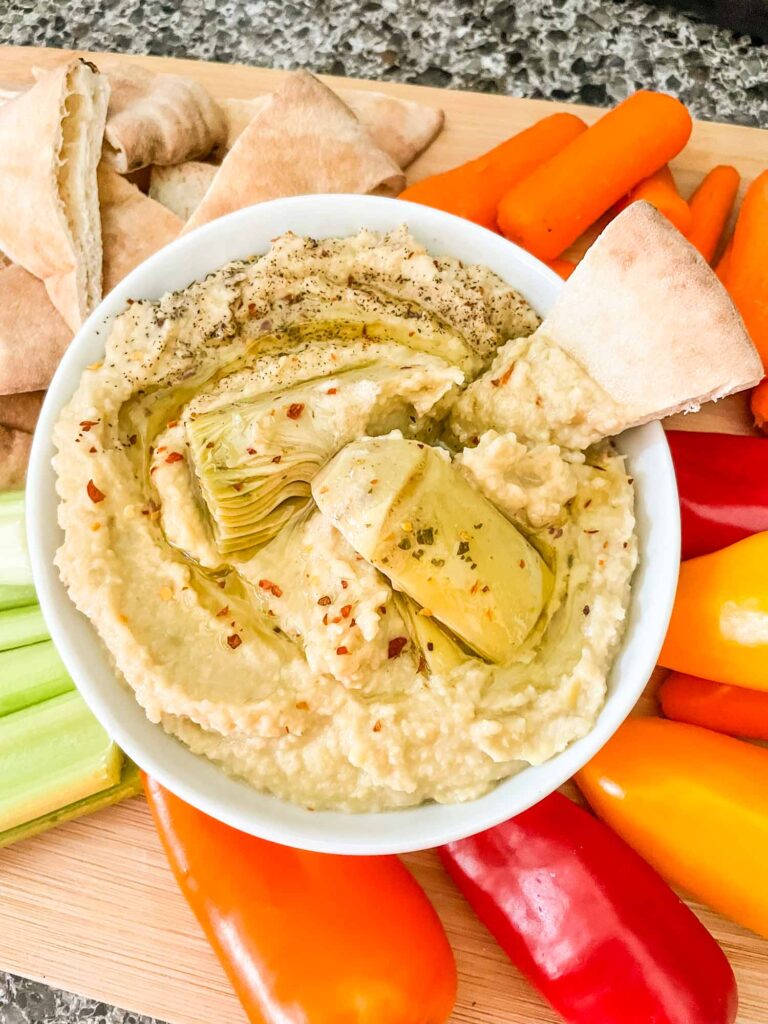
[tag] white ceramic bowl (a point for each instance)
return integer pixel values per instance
(196, 779)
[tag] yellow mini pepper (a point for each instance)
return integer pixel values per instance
(694, 803)
(719, 624)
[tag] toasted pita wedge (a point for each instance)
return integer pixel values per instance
(50, 140)
(33, 336)
(133, 226)
(181, 188)
(20, 412)
(646, 317)
(304, 140)
(401, 128)
(157, 119)
(14, 456)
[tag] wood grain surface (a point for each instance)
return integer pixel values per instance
(92, 907)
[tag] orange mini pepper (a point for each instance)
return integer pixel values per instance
(719, 624)
(309, 938)
(729, 709)
(694, 803)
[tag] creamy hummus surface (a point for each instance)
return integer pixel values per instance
(343, 520)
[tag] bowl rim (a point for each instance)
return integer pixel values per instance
(209, 788)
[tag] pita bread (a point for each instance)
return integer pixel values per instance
(33, 336)
(133, 226)
(14, 456)
(50, 140)
(646, 317)
(181, 188)
(401, 128)
(304, 140)
(157, 119)
(20, 412)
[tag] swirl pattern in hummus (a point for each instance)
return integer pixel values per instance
(215, 476)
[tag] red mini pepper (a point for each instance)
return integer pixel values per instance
(723, 484)
(590, 923)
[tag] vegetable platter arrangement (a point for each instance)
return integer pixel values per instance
(583, 904)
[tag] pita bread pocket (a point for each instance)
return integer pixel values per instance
(33, 335)
(50, 141)
(645, 316)
(15, 446)
(158, 119)
(401, 128)
(20, 412)
(133, 226)
(181, 188)
(304, 140)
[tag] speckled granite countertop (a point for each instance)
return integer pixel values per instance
(593, 51)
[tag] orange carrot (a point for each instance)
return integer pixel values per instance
(759, 405)
(748, 269)
(659, 190)
(473, 190)
(562, 267)
(710, 207)
(722, 265)
(549, 209)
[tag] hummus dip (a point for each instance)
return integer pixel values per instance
(332, 513)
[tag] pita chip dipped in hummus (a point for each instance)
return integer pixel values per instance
(50, 143)
(304, 140)
(320, 554)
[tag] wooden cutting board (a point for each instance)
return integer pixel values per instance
(92, 907)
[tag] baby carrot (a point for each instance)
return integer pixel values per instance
(562, 267)
(549, 209)
(722, 265)
(659, 190)
(747, 273)
(759, 405)
(710, 207)
(473, 190)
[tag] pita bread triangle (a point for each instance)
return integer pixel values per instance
(50, 141)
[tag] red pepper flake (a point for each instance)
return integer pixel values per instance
(377, 726)
(252, 308)
(223, 612)
(172, 423)
(92, 450)
(174, 457)
(295, 409)
(331, 391)
(234, 641)
(342, 650)
(221, 583)
(237, 487)
(344, 584)
(422, 665)
(273, 588)
(396, 645)
(302, 705)
(277, 458)
(251, 451)
(336, 619)
(346, 611)
(352, 622)
(324, 601)
(475, 585)
(382, 609)
(158, 450)
(325, 619)
(499, 382)
(521, 563)
(585, 609)
(87, 424)
(94, 493)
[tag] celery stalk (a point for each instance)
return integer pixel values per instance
(15, 569)
(30, 675)
(129, 785)
(52, 755)
(16, 597)
(22, 626)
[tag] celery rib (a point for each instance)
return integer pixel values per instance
(20, 627)
(29, 675)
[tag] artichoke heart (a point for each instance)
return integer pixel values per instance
(405, 508)
(254, 458)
